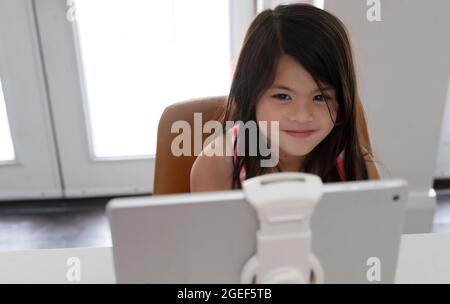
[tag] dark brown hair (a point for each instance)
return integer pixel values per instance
(319, 42)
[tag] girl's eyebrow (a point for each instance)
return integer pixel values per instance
(277, 86)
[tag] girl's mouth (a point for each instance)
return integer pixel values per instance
(299, 134)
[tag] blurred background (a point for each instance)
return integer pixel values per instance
(83, 84)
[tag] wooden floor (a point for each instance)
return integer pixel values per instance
(83, 223)
(54, 224)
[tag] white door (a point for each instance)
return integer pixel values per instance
(28, 159)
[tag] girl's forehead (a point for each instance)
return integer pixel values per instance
(291, 74)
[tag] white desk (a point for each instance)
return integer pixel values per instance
(50, 266)
(423, 258)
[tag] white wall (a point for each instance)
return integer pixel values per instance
(403, 67)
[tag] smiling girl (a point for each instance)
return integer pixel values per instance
(295, 68)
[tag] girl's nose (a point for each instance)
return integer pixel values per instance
(301, 111)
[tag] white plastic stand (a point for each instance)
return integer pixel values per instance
(285, 204)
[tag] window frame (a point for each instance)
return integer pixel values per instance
(34, 173)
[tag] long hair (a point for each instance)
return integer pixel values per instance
(319, 42)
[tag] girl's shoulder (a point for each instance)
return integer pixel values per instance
(212, 170)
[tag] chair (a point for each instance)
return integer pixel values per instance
(172, 174)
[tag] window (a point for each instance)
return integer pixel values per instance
(6, 145)
(139, 56)
(117, 66)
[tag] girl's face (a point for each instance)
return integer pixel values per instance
(295, 101)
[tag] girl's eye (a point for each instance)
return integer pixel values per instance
(282, 97)
(322, 98)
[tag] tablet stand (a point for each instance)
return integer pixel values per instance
(284, 203)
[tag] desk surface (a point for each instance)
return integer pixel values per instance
(59, 266)
(423, 258)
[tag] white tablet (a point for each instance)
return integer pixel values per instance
(208, 237)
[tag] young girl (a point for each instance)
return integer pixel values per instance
(295, 68)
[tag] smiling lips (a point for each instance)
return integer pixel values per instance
(299, 134)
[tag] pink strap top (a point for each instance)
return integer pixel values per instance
(242, 174)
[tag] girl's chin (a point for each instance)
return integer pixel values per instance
(295, 149)
(289, 151)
